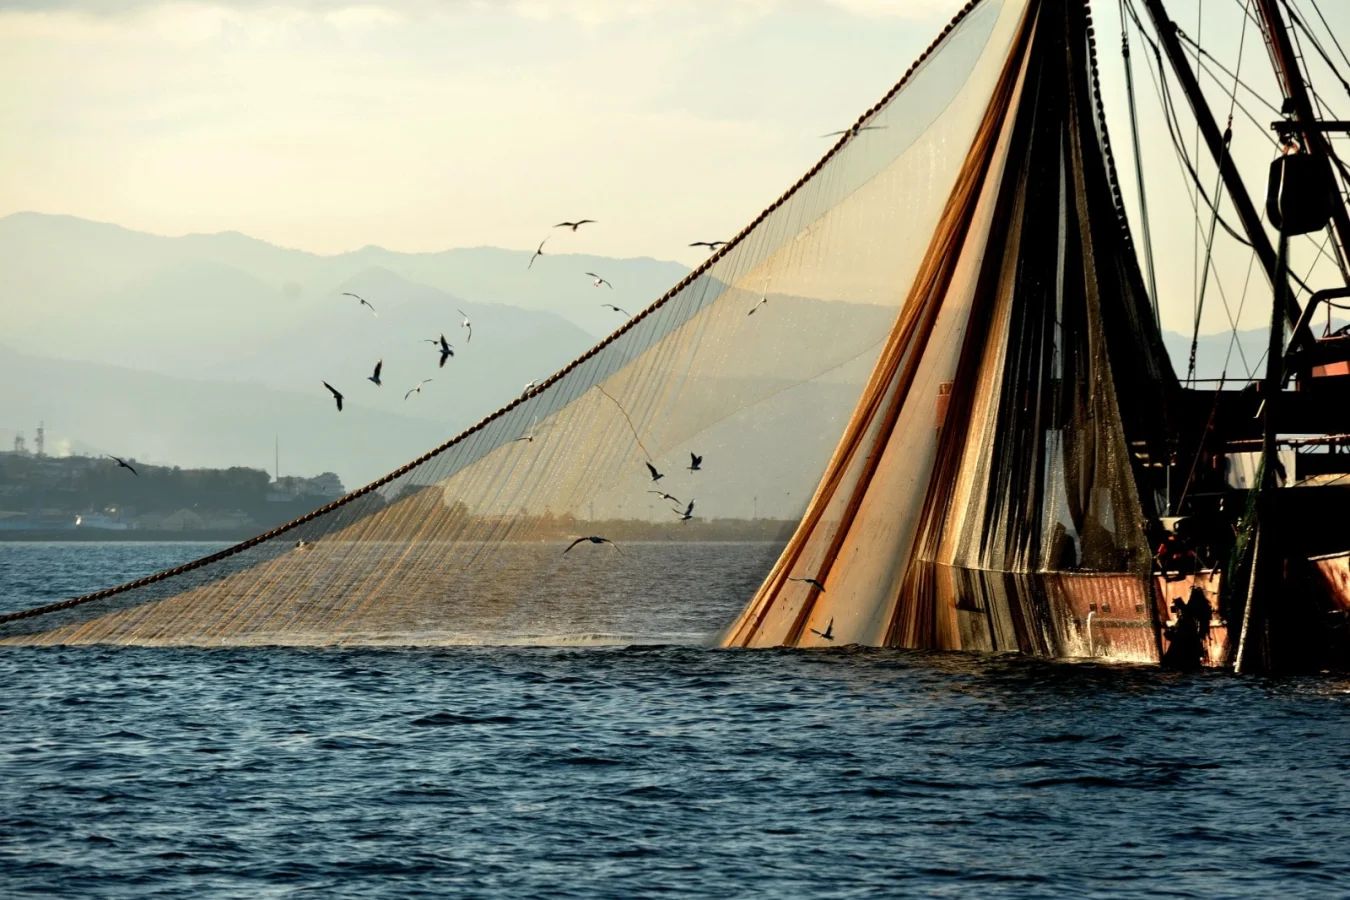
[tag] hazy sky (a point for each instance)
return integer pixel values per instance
(420, 125)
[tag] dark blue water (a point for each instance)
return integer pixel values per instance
(682, 771)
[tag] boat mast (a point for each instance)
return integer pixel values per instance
(1237, 191)
(1296, 94)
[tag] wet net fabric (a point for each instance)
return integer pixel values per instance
(998, 469)
(466, 543)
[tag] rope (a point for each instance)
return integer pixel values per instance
(1318, 10)
(1317, 45)
(631, 428)
(1139, 167)
(478, 427)
(1214, 218)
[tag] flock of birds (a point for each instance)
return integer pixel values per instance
(447, 350)
(443, 347)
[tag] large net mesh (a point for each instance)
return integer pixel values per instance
(993, 487)
(869, 282)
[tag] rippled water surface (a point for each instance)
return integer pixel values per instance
(621, 772)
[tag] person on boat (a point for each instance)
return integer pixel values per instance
(1175, 557)
(1187, 635)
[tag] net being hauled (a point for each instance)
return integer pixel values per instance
(899, 276)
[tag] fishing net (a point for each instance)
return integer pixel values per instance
(886, 278)
(992, 488)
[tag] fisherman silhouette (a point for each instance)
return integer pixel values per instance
(1186, 636)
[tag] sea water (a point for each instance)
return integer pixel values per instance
(625, 771)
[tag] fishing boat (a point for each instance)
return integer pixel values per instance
(942, 348)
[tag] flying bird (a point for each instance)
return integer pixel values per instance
(688, 512)
(616, 309)
(656, 476)
(594, 539)
(123, 464)
(665, 496)
(599, 281)
(418, 389)
(537, 253)
(364, 301)
(376, 377)
(529, 435)
(529, 386)
(853, 132)
(446, 351)
(828, 633)
(574, 225)
(711, 245)
(695, 461)
(336, 396)
(809, 581)
(466, 324)
(762, 301)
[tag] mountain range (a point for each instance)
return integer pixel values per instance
(204, 349)
(201, 350)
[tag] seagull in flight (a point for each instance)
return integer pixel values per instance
(529, 435)
(446, 352)
(537, 253)
(599, 281)
(853, 132)
(529, 386)
(665, 496)
(376, 377)
(336, 396)
(418, 389)
(466, 324)
(695, 461)
(123, 464)
(574, 225)
(711, 245)
(656, 476)
(616, 309)
(828, 633)
(762, 301)
(687, 514)
(364, 301)
(594, 539)
(811, 581)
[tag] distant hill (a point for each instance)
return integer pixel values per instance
(174, 421)
(196, 350)
(341, 341)
(146, 291)
(1221, 355)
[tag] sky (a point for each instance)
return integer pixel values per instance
(420, 126)
(417, 125)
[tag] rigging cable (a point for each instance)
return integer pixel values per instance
(1318, 10)
(1261, 128)
(1214, 218)
(1195, 209)
(1172, 119)
(1322, 112)
(1187, 39)
(1139, 168)
(1317, 45)
(1174, 125)
(1195, 232)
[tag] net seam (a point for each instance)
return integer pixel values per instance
(685, 282)
(1100, 110)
